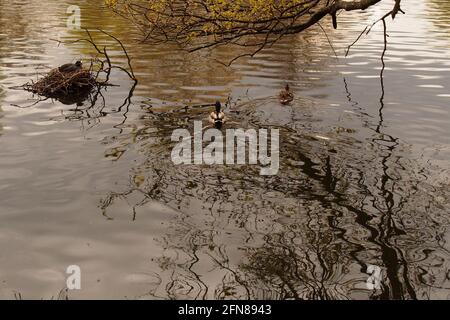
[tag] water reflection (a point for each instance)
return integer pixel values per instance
(440, 14)
(308, 233)
(2, 95)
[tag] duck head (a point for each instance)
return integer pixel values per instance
(218, 106)
(79, 64)
(287, 87)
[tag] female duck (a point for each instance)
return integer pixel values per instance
(71, 67)
(286, 96)
(217, 117)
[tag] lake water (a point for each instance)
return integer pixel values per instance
(364, 165)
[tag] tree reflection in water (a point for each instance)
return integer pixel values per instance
(310, 232)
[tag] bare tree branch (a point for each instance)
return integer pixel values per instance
(195, 25)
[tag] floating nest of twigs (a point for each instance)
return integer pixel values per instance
(75, 86)
(58, 84)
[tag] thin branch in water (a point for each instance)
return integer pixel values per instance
(329, 40)
(354, 42)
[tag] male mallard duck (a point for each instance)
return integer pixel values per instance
(217, 117)
(71, 67)
(285, 95)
